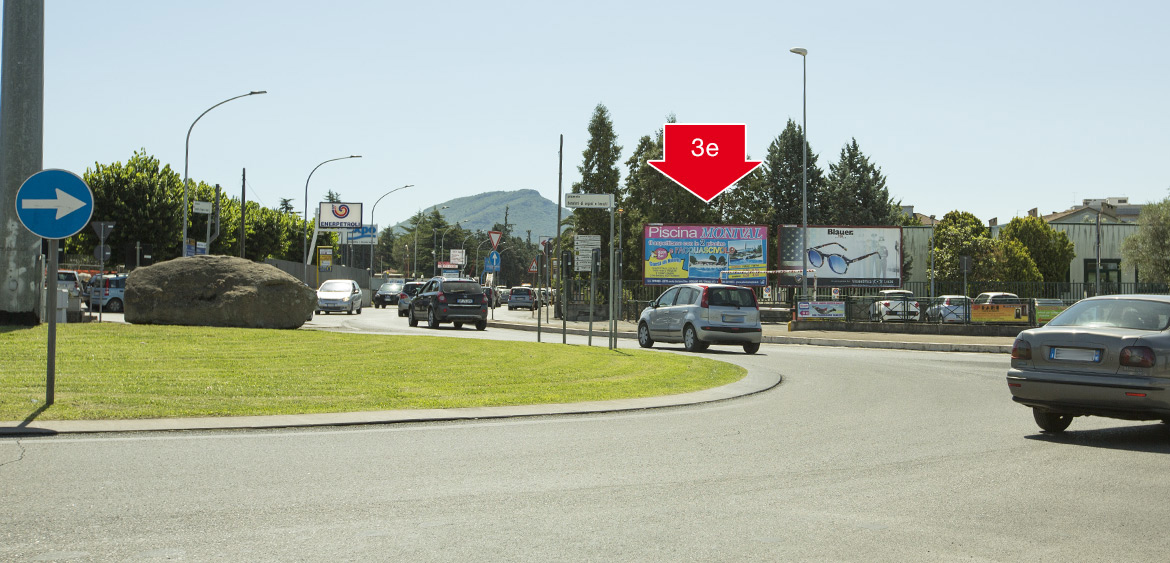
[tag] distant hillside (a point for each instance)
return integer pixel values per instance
(527, 210)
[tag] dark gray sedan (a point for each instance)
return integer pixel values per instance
(1103, 356)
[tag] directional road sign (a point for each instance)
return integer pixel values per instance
(54, 204)
(492, 262)
(589, 201)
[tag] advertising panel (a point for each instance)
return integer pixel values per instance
(843, 256)
(1047, 309)
(340, 215)
(366, 234)
(735, 254)
(821, 310)
(999, 313)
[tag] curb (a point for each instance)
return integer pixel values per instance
(803, 340)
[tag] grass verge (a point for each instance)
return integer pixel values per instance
(118, 371)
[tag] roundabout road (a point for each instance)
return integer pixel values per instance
(859, 455)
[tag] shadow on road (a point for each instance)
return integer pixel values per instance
(1150, 438)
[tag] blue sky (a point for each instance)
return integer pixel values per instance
(992, 107)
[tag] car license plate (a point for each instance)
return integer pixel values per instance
(1074, 354)
(733, 318)
(463, 301)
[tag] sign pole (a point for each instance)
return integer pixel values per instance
(592, 289)
(612, 288)
(51, 311)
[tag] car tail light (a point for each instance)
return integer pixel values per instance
(402, 296)
(705, 303)
(440, 297)
(1021, 350)
(885, 304)
(1137, 357)
(755, 302)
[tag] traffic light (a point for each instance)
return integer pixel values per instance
(596, 260)
(567, 263)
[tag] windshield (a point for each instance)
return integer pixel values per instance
(392, 286)
(1121, 313)
(336, 286)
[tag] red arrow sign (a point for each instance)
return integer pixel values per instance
(705, 158)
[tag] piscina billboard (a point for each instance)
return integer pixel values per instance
(735, 254)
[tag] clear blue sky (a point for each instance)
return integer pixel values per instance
(992, 107)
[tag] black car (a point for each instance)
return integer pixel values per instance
(387, 294)
(454, 300)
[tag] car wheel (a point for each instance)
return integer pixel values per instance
(644, 339)
(751, 347)
(114, 306)
(431, 320)
(410, 320)
(481, 325)
(1051, 421)
(359, 311)
(691, 340)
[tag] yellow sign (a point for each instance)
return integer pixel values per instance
(666, 269)
(999, 313)
(325, 258)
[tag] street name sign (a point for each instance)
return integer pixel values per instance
(589, 201)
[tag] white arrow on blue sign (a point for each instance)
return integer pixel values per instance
(54, 204)
(492, 262)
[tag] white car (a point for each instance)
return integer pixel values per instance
(895, 305)
(339, 295)
(699, 315)
(948, 309)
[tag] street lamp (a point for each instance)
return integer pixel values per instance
(306, 217)
(186, 158)
(932, 257)
(372, 222)
(804, 169)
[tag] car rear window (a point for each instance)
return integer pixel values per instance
(1122, 313)
(731, 297)
(461, 287)
(411, 288)
(522, 291)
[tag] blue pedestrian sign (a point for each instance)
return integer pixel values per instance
(492, 262)
(54, 204)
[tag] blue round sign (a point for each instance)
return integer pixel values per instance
(54, 204)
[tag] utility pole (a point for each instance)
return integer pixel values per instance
(243, 210)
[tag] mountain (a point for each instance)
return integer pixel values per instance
(527, 210)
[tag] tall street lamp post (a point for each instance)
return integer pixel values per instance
(186, 159)
(803, 169)
(306, 216)
(932, 257)
(372, 222)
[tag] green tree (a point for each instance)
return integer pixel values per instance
(332, 197)
(1149, 248)
(599, 175)
(856, 193)
(144, 200)
(285, 205)
(1049, 248)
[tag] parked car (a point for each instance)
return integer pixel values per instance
(997, 298)
(409, 290)
(493, 299)
(453, 300)
(107, 293)
(948, 309)
(895, 305)
(522, 298)
(1103, 356)
(699, 315)
(339, 295)
(387, 294)
(69, 280)
(504, 293)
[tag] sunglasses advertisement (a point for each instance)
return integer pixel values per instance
(842, 256)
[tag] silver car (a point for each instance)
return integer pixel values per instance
(699, 315)
(339, 295)
(1103, 356)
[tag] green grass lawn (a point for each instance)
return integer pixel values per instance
(119, 371)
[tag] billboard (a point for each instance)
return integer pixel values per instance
(366, 234)
(340, 215)
(842, 256)
(735, 254)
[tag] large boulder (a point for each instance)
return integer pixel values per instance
(217, 291)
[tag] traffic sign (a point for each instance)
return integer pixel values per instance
(495, 236)
(705, 158)
(101, 253)
(54, 204)
(583, 246)
(533, 268)
(492, 262)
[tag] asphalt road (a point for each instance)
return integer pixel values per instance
(859, 455)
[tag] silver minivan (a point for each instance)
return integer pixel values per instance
(699, 315)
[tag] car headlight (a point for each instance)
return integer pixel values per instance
(345, 299)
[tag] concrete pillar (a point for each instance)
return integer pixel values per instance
(22, 88)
